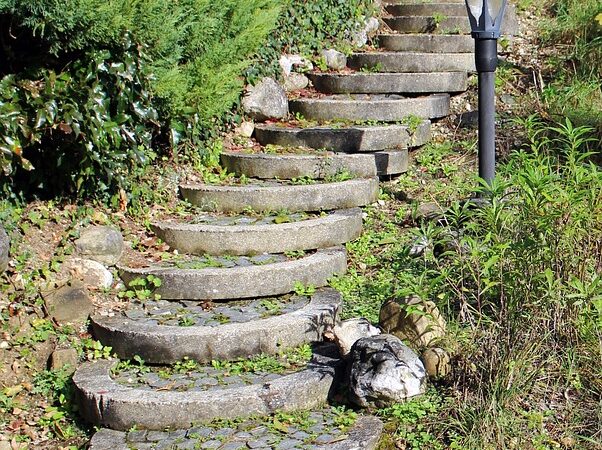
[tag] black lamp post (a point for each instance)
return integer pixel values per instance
(485, 21)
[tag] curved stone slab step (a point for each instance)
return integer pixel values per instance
(164, 344)
(364, 434)
(335, 228)
(288, 166)
(243, 282)
(413, 62)
(429, 24)
(390, 83)
(385, 108)
(427, 43)
(349, 139)
(277, 197)
(105, 402)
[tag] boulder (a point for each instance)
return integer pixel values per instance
(372, 25)
(266, 100)
(412, 319)
(100, 243)
(437, 362)
(334, 59)
(383, 370)
(348, 332)
(297, 63)
(93, 274)
(359, 38)
(4, 248)
(295, 82)
(64, 359)
(69, 304)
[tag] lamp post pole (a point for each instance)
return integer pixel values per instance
(485, 21)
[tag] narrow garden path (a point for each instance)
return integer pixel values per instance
(242, 283)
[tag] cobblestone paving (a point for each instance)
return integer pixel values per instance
(308, 430)
(194, 313)
(187, 375)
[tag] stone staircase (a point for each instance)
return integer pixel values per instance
(230, 293)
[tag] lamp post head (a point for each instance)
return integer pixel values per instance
(486, 17)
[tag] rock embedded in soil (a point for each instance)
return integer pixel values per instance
(64, 359)
(414, 320)
(383, 370)
(266, 100)
(69, 304)
(334, 59)
(92, 273)
(295, 82)
(437, 362)
(100, 243)
(348, 332)
(4, 248)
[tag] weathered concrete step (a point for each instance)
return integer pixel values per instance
(429, 24)
(136, 333)
(276, 197)
(385, 108)
(413, 62)
(243, 282)
(332, 229)
(427, 9)
(105, 402)
(427, 43)
(390, 83)
(288, 166)
(363, 434)
(346, 138)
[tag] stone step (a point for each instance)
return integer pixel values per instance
(413, 2)
(413, 62)
(427, 43)
(107, 401)
(346, 138)
(177, 330)
(276, 196)
(383, 108)
(335, 228)
(429, 24)
(270, 275)
(287, 166)
(427, 9)
(390, 83)
(325, 434)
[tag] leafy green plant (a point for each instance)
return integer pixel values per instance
(142, 288)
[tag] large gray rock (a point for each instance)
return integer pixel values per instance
(4, 248)
(100, 243)
(69, 304)
(92, 273)
(266, 100)
(413, 319)
(334, 59)
(383, 370)
(295, 82)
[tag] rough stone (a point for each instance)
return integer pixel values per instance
(64, 358)
(384, 83)
(245, 129)
(427, 43)
(332, 229)
(334, 59)
(353, 139)
(266, 100)
(93, 274)
(372, 25)
(244, 282)
(4, 249)
(292, 198)
(413, 319)
(359, 38)
(413, 62)
(436, 362)
(360, 107)
(168, 344)
(348, 332)
(383, 370)
(100, 243)
(295, 82)
(69, 304)
(298, 63)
